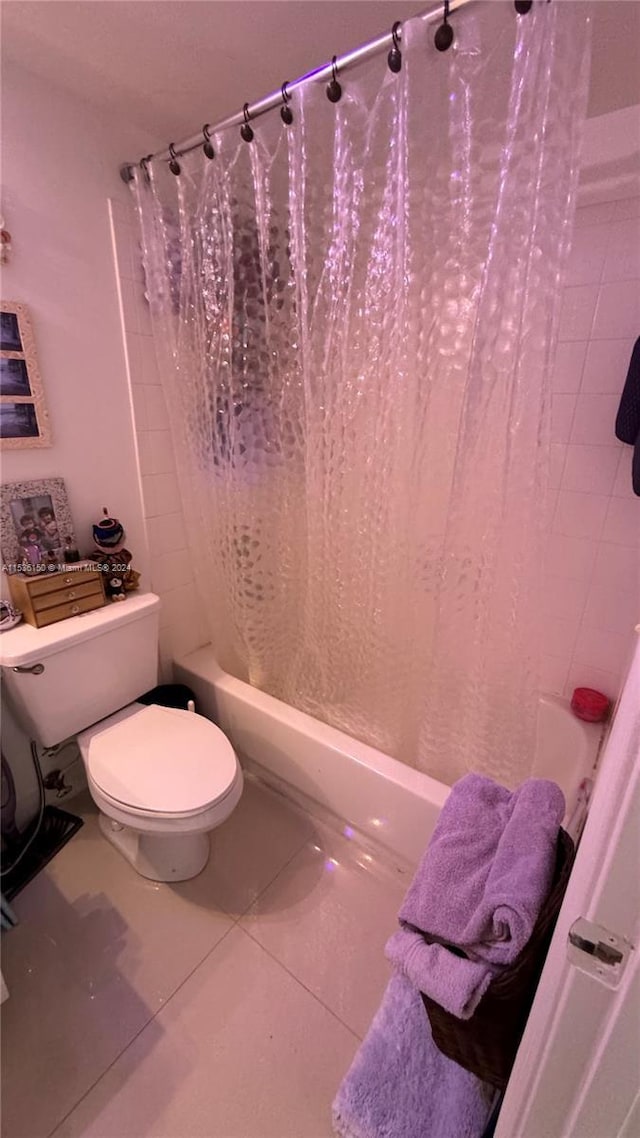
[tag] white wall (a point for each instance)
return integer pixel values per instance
(60, 164)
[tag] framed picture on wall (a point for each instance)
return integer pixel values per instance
(36, 524)
(24, 421)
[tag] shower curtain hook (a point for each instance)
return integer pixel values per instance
(286, 114)
(444, 35)
(207, 145)
(394, 58)
(334, 90)
(245, 130)
(174, 165)
(523, 6)
(144, 166)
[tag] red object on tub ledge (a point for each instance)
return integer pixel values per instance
(590, 705)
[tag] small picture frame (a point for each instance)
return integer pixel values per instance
(36, 525)
(24, 421)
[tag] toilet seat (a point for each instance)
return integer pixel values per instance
(160, 761)
(109, 804)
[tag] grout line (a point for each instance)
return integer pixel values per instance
(237, 918)
(621, 461)
(144, 1026)
(235, 923)
(294, 854)
(302, 984)
(603, 446)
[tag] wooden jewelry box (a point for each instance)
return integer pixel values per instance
(49, 597)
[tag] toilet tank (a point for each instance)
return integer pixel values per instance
(73, 673)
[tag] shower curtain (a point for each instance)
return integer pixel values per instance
(354, 316)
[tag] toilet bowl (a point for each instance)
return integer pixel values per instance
(162, 778)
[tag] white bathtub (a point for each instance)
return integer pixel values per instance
(380, 797)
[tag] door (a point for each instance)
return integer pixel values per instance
(577, 1073)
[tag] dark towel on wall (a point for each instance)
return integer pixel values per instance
(628, 417)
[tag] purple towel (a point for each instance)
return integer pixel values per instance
(400, 1086)
(454, 982)
(488, 868)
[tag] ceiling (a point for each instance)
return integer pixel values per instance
(170, 65)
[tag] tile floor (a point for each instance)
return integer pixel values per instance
(229, 1006)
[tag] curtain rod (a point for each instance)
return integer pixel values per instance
(275, 99)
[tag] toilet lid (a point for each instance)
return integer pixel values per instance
(161, 759)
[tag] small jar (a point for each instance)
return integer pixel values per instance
(71, 554)
(590, 705)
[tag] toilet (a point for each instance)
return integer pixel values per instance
(162, 778)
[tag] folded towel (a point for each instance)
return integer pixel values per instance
(628, 417)
(488, 868)
(453, 981)
(400, 1086)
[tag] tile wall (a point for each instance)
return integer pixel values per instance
(170, 567)
(593, 566)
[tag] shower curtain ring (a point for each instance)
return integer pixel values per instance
(174, 165)
(245, 130)
(286, 114)
(144, 166)
(523, 6)
(334, 90)
(394, 58)
(444, 35)
(207, 145)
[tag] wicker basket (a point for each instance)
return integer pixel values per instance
(487, 1043)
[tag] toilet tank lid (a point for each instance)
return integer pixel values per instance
(25, 644)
